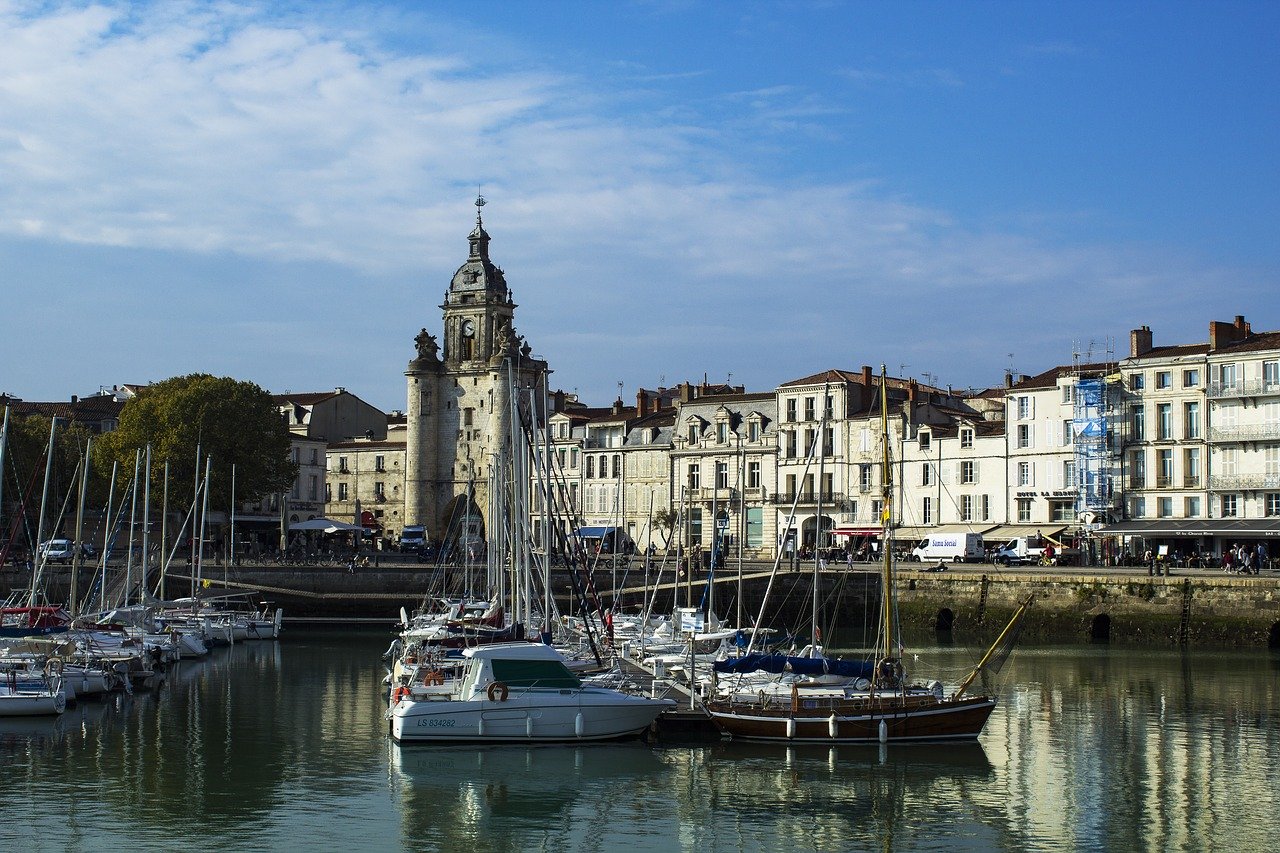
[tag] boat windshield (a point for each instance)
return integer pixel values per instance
(534, 673)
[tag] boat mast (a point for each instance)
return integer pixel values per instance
(146, 529)
(817, 524)
(4, 440)
(76, 558)
(44, 495)
(164, 528)
(231, 551)
(886, 516)
(204, 517)
(107, 531)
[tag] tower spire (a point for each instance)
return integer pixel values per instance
(480, 202)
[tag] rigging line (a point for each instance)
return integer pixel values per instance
(62, 514)
(20, 520)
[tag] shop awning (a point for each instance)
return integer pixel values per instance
(1171, 527)
(327, 525)
(594, 532)
(855, 530)
(941, 529)
(1005, 532)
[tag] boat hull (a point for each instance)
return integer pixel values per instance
(852, 721)
(533, 716)
(32, 704)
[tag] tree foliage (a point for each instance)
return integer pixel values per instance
(233, 421)
(664, 520)
(24, 463)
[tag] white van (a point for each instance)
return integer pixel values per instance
(950, 547)
(413, 537)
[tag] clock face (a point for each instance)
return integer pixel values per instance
(468, 328)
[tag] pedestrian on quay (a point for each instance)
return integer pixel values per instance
(1262, 557)
(1150, 559)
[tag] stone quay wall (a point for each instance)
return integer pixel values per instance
(969, 603)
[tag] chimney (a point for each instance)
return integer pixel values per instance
(686, 392)
(74, 399)
(642, 401)
(557, 402)
(1221, 334)
(1140, 342)
(617, 407)
(866, 376)
(912, 388)
(1008, 379)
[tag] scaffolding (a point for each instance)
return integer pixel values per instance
(1092, 437)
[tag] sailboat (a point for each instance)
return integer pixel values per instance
(885, 704)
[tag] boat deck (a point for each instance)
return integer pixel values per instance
(681, 722)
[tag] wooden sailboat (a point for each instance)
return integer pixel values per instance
(886, 705)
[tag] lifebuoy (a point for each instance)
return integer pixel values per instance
(497, 692)
(53, 665)
(399, 693)
(433, 677)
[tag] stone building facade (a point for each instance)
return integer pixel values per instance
(461, 397)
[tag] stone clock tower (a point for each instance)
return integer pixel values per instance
(459, 400)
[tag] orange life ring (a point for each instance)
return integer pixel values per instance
(399, 693)
(433, 677)
(497, 692)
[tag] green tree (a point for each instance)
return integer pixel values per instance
(664, 521)
(233, 421)
(24, 462)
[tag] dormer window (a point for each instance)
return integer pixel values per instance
(722, 432)
(693, 433)
(924, 440)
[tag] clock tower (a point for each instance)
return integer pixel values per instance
(477, 303)
(459, 400)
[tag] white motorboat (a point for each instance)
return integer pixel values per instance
(519, 692)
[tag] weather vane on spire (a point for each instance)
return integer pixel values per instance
(480, 202)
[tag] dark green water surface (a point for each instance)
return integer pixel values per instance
(283, 746)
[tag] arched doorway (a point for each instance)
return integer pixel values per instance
(462, 528)
(810, 529)
(945, 619)
(1100, 629)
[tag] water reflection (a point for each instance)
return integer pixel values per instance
(281, 745)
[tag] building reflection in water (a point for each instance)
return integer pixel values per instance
(281, 745)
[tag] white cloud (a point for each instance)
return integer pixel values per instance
(224, 130)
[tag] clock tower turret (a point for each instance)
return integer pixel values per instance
(477, 304)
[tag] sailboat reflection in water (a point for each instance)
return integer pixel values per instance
(878, 700)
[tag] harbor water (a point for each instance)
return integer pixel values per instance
(283, 746)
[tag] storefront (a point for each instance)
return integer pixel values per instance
(1188, 541)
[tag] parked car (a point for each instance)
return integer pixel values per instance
(61, 550)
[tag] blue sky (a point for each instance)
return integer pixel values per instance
(281, 192)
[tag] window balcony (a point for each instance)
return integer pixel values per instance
(708, 494)
(808, 498)
(1245, 432)
(1242, 388)
(1244, 482)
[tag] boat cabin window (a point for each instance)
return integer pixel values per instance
(533, 673)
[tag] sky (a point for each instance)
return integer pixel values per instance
(747, 191)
